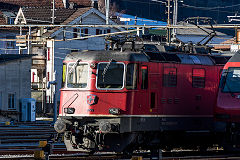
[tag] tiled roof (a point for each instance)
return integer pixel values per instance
(76, 14)
(82, 2)
(38, 3)
(36, 15)
(9, 7)
(34, 3)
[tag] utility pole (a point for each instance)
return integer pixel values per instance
(168, 23)
(29, 43)
(175, 12)
(53, 11)
(168, 12)
(107, 11)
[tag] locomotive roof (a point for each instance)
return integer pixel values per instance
(146, 57)
(107, 56)
(235, 57)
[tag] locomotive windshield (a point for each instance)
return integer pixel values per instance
(110, 75)
(231, 80)
(77, 75)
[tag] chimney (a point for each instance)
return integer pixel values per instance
(65, 3)
(95, 4)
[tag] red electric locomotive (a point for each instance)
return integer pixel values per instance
(120, 101)
(227, 112)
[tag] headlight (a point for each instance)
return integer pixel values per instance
(69, 110)
(114, 111)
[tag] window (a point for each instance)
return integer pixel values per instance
(110, 75)
(10, 17)
(10, 20)
(11, 101)
(10, 44)
(102, 31)
(80, 32)
(131, 76)
(75, 32)
(170, 77)
(144, 71)
(198, 78)
(231, 80)
(97, 32)
(77, 75)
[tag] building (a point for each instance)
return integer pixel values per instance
(15, 84)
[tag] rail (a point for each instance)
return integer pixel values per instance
(21, 141)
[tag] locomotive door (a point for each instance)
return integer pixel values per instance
(154, 92)
(154, 89)
(142, 94)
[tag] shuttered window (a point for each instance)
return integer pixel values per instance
(170, 77)
(198, 78)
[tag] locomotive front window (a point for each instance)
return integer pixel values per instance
(110, 75)
(231, 80)
(77, 75)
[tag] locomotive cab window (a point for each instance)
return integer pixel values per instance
(231, 80)
(170, 77)
(77, 75)
(110, 75)
(198, 78)
(131, 76)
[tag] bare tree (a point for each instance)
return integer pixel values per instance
(113, 8)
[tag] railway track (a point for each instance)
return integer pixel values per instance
(24, 138)
(21, 140)
(146, 156)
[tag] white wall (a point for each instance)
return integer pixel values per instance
(15, 79)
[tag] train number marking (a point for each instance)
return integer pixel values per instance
(90, 110)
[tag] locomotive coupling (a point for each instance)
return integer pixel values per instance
(60, 126)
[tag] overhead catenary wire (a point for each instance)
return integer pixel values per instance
(140, 27)
(128, 26)
(209, 8)
(78, 38)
